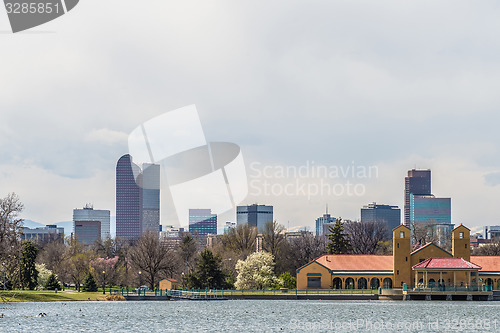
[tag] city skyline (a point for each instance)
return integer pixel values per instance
(287, 91)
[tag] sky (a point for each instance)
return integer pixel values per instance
(385, 86)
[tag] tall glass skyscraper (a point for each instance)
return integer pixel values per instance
(202, 222)
(137, 198)
(417, 182)
(254, 215)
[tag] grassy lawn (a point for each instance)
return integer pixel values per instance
(48, 296)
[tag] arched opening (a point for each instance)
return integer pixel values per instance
(488, 282)
(374, 283)
(387, 283)
(349, 283)
(337, 283)
(362, 283)
(432, 283)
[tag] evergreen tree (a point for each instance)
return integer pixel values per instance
(208, 273)
(52, 283)
(338, 241)
(89, 283)
(29, 274)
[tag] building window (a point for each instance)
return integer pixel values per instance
(398, 245)
(461, 235)
(406, 258)
(314, 282)
(397, 272)
(401, 234)
(465, 245)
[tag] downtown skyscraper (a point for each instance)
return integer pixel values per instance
(137, 198)
(418, 182)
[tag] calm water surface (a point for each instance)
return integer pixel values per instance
(252, 316)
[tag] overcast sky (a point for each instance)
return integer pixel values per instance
(389, 84)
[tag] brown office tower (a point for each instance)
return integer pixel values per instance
(418, 182)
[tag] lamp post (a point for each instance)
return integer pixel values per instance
(140, 281)
(182, 280)
(103, 282)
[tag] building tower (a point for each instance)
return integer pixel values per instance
(401, 249)
(202, 222)
(137, 198)
(386, 214)
(90, 224)
(254, 215)
(417, 182)
(460, 242)
(128, 200)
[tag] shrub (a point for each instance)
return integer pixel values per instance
(52, 283)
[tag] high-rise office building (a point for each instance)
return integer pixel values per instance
(88, 213)
(150, 185)
(202, 222)
(427, 209)
(228, 226)
(323, 224)
(389, 215)
(137, 198)
(432, 213)
(254, 215)
(417, 182)
(87, 232)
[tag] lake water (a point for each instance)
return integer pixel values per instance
(251, 316)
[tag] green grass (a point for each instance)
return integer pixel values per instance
(48, 296)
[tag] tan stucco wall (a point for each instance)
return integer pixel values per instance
(313, 268)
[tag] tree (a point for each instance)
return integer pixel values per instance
(29, 274)
(89, 283)
(10, 235)
(208, 273)
(492, 249)
(110, 268)
(256, 272)
(241, 240)
(364, 237)
(338, 241)
(52, 283)
(153, 258)
(187, 251)
(273, 237)
(78, 267)
(287, 281)
(43, 274)
(298, 251)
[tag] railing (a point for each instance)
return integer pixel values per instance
(454, 288)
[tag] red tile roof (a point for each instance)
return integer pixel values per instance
(446, 263)
(356, 262)
(488, 263)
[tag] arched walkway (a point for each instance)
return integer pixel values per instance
(387, 283)
(337, 283)
(374, 283)
(349, 283)
(432, 283)
(489, 282)
(362, 283)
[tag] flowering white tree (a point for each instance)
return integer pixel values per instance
(256, 272)
(43, 275)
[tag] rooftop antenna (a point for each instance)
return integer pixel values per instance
(327, 209)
